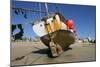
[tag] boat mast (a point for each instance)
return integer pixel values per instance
(46, 6)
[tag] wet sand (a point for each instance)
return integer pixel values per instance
(33, 53)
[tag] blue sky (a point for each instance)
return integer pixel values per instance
(84, 17)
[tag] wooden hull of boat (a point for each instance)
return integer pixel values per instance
(62, 37)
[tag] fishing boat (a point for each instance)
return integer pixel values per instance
(54, 33)
(53, 30)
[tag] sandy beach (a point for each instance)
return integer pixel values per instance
(33, 53)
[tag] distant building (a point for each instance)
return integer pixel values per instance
(85, 40)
